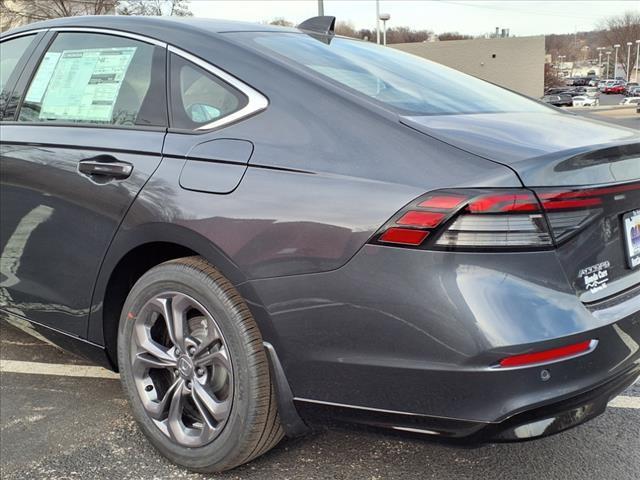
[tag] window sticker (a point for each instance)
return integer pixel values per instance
(43, 77)
(85, 84)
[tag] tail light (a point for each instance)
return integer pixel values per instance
(514, 219)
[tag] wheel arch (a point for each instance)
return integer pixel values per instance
(136, 250)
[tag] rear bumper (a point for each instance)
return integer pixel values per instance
(398, 334)
(530, 424)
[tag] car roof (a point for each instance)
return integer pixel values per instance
(140, 23)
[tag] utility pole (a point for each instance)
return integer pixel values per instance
(600, 60)
(628, 69)
(637, 57)
(378, 22)
(321, 8)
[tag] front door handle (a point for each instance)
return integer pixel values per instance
(105, 166)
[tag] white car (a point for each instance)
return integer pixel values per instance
(585, 102)
(592, 92)
(628, 101)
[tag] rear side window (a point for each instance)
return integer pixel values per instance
(11, 51)
(98, 79)
(198, 97)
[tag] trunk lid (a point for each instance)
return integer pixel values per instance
(593, 166)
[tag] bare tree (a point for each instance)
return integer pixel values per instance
(20, 12)
(618, 30)
(346, 29)
(177, 8)
(443, 37)
(281, 22)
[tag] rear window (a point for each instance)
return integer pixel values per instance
(408, 83)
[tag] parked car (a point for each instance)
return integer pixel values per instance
(630, 101)
(564, 100)
(585, 101)
(250, 222)
(629, 87)
(557, 90)
(633, 92)
(592, 92)
(617, 89)
(610, 83)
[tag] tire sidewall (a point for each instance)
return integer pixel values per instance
(211, 295)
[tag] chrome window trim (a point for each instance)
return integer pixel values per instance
(118, 33)
(10, 36)
(256, 101)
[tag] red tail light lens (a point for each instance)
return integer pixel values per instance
(404, 236)
(520, 219)
(421, 219)
(546, 356)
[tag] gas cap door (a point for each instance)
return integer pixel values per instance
(216, 166)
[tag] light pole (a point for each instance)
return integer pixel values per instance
(384, 17)
(628, 69)
(562, 57)
(378, 22)
(600, 60)
(321, 8)
(608, 61)
(637, 57)
(615, 61)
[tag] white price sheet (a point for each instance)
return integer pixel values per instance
(80, 85)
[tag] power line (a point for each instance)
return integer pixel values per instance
(528, 12)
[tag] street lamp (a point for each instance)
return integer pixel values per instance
(615, 61)
(600, 60)
(378, 22)
(561, 58)
(608, 61)
(637, 57)
(628, 69)
(384, 17)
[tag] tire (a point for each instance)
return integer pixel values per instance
(204, 397)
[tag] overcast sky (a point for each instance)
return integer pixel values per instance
(473, 17)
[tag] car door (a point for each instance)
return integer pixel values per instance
(86, 136)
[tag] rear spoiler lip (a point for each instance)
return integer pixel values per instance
(617, 162)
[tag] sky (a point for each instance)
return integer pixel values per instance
(471, 17)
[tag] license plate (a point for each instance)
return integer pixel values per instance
(631, 224)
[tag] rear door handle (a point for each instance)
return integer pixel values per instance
(105, 166)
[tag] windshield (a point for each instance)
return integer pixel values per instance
(405, 82)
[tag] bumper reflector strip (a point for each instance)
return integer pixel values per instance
(548, 355)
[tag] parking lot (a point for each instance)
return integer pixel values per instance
(62, 421)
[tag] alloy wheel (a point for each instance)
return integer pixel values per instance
(182, 369)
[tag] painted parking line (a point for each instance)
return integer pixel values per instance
(39, 368)
(623, 401)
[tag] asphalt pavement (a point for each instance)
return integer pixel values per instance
(60, 420)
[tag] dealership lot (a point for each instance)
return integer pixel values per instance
(70, 422)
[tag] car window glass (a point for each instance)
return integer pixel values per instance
(198, 97)
(402, 81)
(11, 51)
(97, 79)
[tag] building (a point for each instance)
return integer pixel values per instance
(516, 63)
